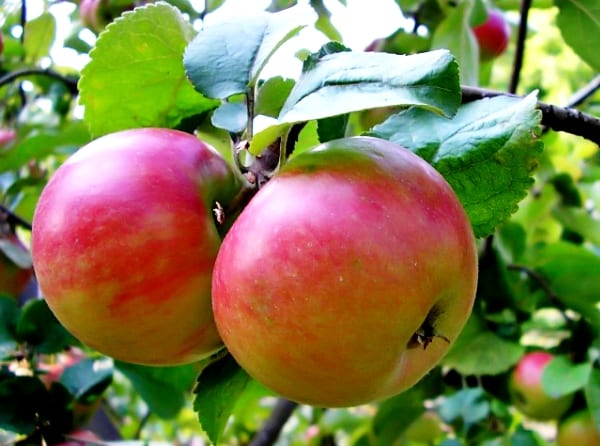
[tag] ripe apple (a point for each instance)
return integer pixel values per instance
(347, 276)
(526, 390)
(124, 241)
(578, 429)
(81, 437)
(13, 278)
(96, 14)
(492, 36)
(7, 136)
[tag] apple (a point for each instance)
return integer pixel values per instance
(124, 241)
(13, 278)
(96, 14)
(492, 35)
(80, 437)
(578, 429)
(527, 394)
(7, 136)
(347, 276)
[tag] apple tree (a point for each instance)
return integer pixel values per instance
(238, 228)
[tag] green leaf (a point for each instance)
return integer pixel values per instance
(332, 128)
(571, 272)
(219, 386)
(468, 405)
(226, 58)
(561, 377)
(579, 23)
(581, 221)
(87, 379)
(487, 152)
(20, 401)
(395, 414)
(38, 144)
(271, 96)
(39, 327)
(135, 77)
(454, 33)
(39, 36)
(351, 81)
(164, 389)
(592, 396)
(9, 315)
(479, 351)
(323, 22)
(231, 116)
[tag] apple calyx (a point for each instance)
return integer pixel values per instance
(427, 332)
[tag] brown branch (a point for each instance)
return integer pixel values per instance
(560, 119)
(70, 83)
(272, 428)
(520, 48)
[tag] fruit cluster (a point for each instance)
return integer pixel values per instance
(356, 255)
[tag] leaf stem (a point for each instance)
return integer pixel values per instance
(272, 428)
(250, 111)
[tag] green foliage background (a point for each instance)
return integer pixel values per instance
(532, 195)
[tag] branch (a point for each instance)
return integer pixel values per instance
(520, 49)
(560, 119)
(70, 83)
(13, 219)
(579, 97)
(270, 431)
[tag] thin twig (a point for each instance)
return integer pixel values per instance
(13, 219)
(580, 96)
(520, 48)
(70, 83)
(272, 428)
(560, 119)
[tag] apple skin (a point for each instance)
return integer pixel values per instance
(492, 35)
(13, 278)
(335, 264)
(7, 136)
(525, 387)
(81, 437)
(124, 241)
(578, 429)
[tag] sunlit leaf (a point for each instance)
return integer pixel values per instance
(135, 77)
(561, 377)
(351, 81)
(487, 152)
(454, 33)
(226, 58)
(579, 23)
(39, 36)
(218, 389)
(164, 389)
